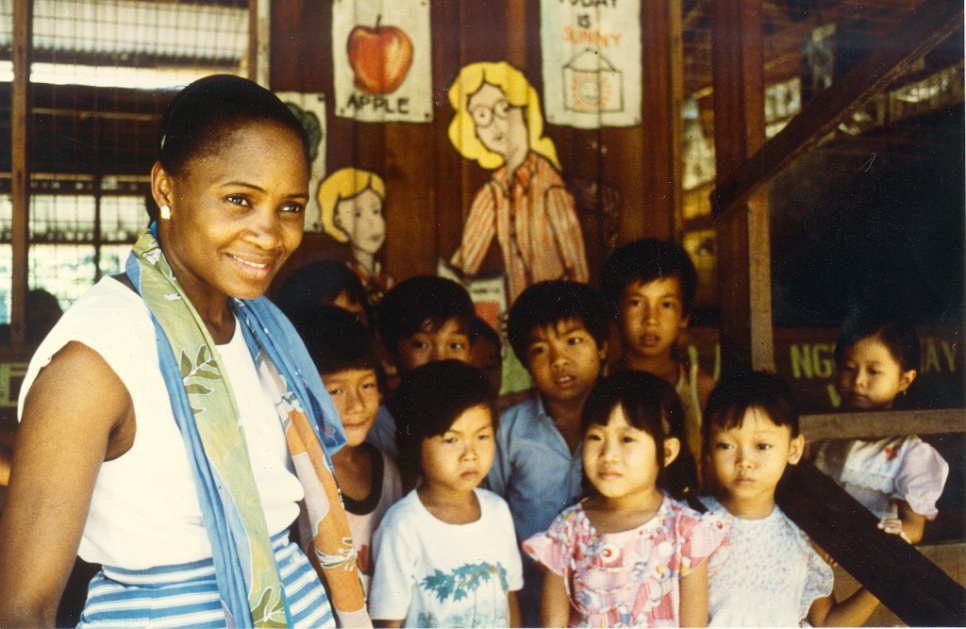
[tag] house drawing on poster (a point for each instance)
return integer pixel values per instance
(592, 83)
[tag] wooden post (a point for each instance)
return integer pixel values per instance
(20, 165)
(259, 40)
(744, 260)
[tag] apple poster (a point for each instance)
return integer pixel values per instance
(382, 62)
(591, 62)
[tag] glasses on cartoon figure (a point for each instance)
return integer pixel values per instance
(484, 115)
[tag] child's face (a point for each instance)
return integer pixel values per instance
(871, 377)
(621, 460)
(361, 219)
(651, 317)
(430, 344)
(564, 360)
(485, 356)
(459, 459)
(356, 396)
(748, 461)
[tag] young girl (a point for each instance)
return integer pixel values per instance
(629, 554)
(344, 353)
(771, 575)
(899, 479)
(446, 554)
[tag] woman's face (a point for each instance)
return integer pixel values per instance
(499, 125)
(237, 212)
(361, 219)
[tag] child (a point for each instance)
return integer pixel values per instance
(650, 284)
(899, 479)
(485, 353)
(558, 330)
(344, 353)
(422, 319)
(445, 554)
(629, 554)
(771, 575)
(319, 283)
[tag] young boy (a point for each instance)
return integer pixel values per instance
(650, 285)
(345, 355)
(422, 319)
(558, 330)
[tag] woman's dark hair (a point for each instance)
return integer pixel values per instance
(898, 336)
(735, 394)
(203, 114)
(652, 405)
(427, 402)
(316, 284)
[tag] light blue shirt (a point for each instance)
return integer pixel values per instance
(383, 433)
(535, 472)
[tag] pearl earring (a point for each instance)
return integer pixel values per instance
(165, 212)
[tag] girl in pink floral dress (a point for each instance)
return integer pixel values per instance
(630, 554)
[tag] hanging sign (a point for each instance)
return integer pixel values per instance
(310, 110)
(591, 62)
(382, 61)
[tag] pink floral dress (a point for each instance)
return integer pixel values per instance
(631, 578)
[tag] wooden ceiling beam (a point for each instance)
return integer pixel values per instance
(932, 23)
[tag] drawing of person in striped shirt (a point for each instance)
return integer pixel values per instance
(525, 205)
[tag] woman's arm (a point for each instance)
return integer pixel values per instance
(554, 602)
(76, 415)
(694, 598)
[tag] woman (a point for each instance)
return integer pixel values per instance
(171, 422)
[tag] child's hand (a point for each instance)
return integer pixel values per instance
(893, 526)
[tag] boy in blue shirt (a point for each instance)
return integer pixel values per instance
(558, 329)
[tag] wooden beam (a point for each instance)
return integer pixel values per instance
(846, 530)
(20, 183)
(883, 424)
(744, 260)
(932, 22)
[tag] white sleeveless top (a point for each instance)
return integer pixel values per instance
(144, 511)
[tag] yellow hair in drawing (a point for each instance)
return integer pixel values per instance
(519, 93)
(341, 185)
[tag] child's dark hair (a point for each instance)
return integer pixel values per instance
(479, 328)
(411, 303)
(546, 303)
(427, 402)
(646, 260)
(735, 394)
(203, 114)
(898, 336)
(318, 283)
(337, 340)
(652, 405)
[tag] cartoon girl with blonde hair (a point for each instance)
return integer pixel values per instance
(525, 205)
(352, 200)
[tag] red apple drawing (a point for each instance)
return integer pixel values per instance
(380, 57)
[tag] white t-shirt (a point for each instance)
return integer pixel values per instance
(434, 574)
(768, 576)
(144, 510)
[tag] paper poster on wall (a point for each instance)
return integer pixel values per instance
(382, 65)
(591, 62)
(310, 110)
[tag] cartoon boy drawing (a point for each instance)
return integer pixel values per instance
(352, 202)
(499, 124)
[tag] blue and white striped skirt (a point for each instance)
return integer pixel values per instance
(186, 595)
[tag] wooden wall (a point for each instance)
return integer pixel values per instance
(430, 186)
